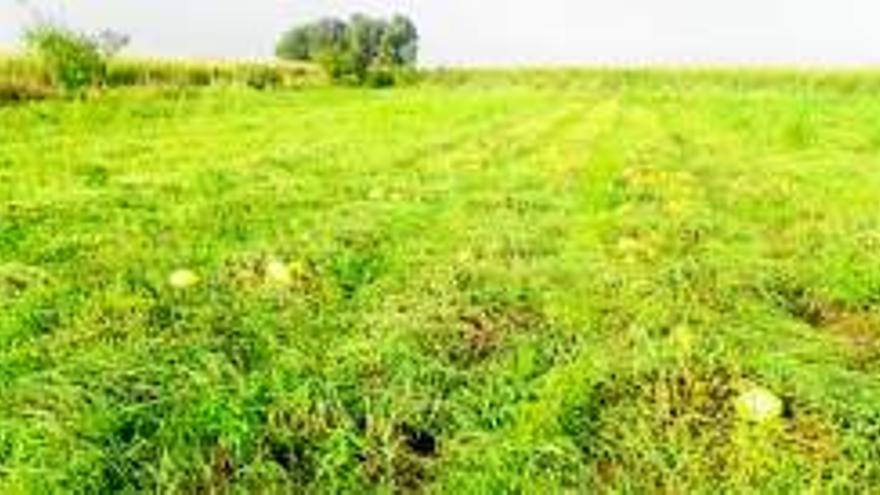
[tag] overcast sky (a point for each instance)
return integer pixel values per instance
(501, 32)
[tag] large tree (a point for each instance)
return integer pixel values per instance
(309, 41)
(353, 49)
(401, 41)
(365, 36)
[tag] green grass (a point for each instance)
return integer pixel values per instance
(501, 284)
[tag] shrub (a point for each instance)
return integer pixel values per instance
(336, 64)
(74, 60)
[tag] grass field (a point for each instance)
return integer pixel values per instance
(503, 287)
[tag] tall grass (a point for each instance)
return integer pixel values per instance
(24, 78)
(133, 72)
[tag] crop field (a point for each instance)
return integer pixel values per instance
(478, 284)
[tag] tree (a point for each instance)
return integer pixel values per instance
(329, 34)
(401, 41)
(111, 42)
(363, 50)
(295, 44)
(365, 37)
(74, 59)
(309, 41)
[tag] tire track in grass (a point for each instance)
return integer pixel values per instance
(399, 226)
(464, 178)
(531, 147)
(537, 428)
(504, 184)
(584, 199)
(405, 231)
(402, 226)
(571, 382)
(444, 185)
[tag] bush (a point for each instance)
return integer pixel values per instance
(74, 60)
(335, 63)
(381, 78)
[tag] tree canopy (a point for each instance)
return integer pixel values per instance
(362, 48)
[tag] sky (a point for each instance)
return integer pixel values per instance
(503, 32)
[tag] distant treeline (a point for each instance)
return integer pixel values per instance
(363, 50)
